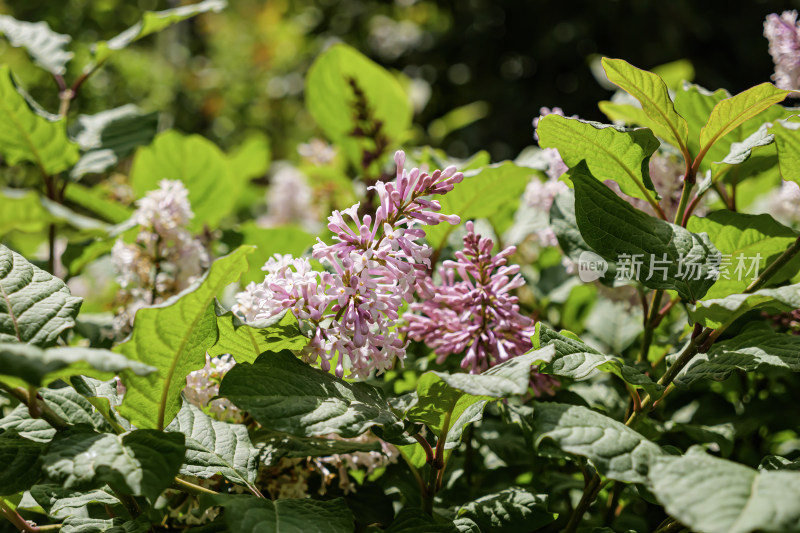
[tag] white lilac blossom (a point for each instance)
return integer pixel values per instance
(375, 265)
(784, 203)
(165, 257)
(289, 199)
(317, 151)
(203, 385)
(783, 34)
(473, 311)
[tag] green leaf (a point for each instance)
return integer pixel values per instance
(20, 458)
(330, 99)
(732, 112)
(714, 312)
(652, 93)
(718, 496)
(152, 22)
(565, 226)
(59, 502)
(198, 163)
(776, 462)
(214, 447)
(75, 524)
(695, 103)
(284, 394)
(741, 151)
(174, 337)
(38, 366)
(291, 240)
(575, 359)
(614, 324)
(482, 194)
(46, 47)
(675, 73)
(66, 403)
(746, 236)
(274, 445)
(510, 510)
(140, 463)
(614, 229)
(415, 520)
(110, 136)
(245, 343)
(787, 140)
(98, 203)
(610, 153)
(22, 211)
(30, 136)
(35, 307)
(245, 514)
(617, 451)
(448, 402)
(103, 395)
(747, 351)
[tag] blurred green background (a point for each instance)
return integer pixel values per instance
(224, 74)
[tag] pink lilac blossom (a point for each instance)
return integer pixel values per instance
(376, 263)
(290, 200)
(473, 311)
(540, 194)
(783, 34)
(165, 258)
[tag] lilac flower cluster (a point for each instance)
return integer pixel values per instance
(473, 310)
(203, 385)
(783, 34)
(165, 259)
(376, 263)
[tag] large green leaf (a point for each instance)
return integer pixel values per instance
(152, 22)
(510, 510)
(482, 194)
(614, 229)
(27, 135)
(331, 100)
(415, 520)
(59, 502)
(38, 366)
(747, 351)
(746, 236)
(174, 338)
(274, 445)
(22, 210)
(787, 139)
(652, 93)
(712, 495)
(198, 163)
(35, 307)
(714, 312)
(245, 343)
(617, 451)
(291, 240)
(46, 47)
(20, 458)
(610, 153)
(730, 113)
(284, 394)
(66, 403)
(214, 447)
(111, 135)
(575, 359)
(103, 395)
(695, 103)
(140, 463)
(245, 514)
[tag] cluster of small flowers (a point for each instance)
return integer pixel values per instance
(375, 266)
(477, 313)
(783, 34)
(202, 385)
(289, 200)
(783, 203)
(165, 259)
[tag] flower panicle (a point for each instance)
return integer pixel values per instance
(473, 311)
(376, 262)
